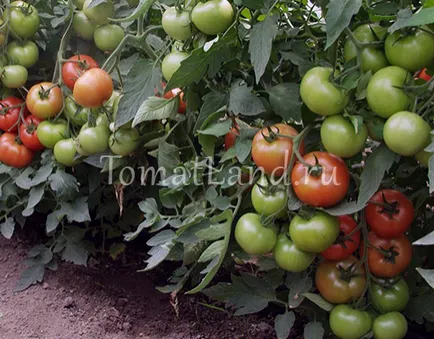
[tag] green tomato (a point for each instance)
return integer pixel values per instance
(315, 234)
(94, 140)
(102, 121)
(373, 59)
(177, 23)
(83, 26)
(375, 127)
(319, 94)
(124, 141)
(76, 114)
(252, 236)
(65, 152)
(349, 323)
(290, 257)
(23, 53)
(391, 325)
(268, 200)
(14, 76)
(423, 157)
(340, 138)
(2, 33)
(51, 132)
(410, 51)
(406, 133)
(213, 17)
(390, 299)
(384, 95)
(133, 2)
(108, 37)
(99, 14)
(172, 62)
(24, 19)
(79, 3)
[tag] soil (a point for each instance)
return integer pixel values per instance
(106, 302)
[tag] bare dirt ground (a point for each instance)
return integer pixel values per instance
(106, 303)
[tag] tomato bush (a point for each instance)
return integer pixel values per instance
(331, 96)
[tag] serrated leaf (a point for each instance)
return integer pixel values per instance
(35, 196)
(23, 181)
(423, 17)
(157, 255)
(140, 84)
(420, 307)
(212, 102)
(426, 240)
(75, 253)
(168, 157)
(165, 236)
(283, 324)
(428, 275)
(65, 185)
(338, 17)
(140, 10)
(402, 19)
(217, 129)
(30, 276)
(243, 145)
(7, 228)
(313, 330)
(298, 284)
(319, 301)
(285, 100)
(261, 43)
(243, 101)
(156, 109)
(213, 250)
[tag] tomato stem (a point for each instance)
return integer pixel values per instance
(364, 259)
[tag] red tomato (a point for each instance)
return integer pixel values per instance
(273, 156)
(182, 108)
(75, 67)
(93, 88)
(422, 74)
(342, 249)
(324, 183)
(388, 257)
(12, 153)
(9, 118)
(231, 137)
(28, 133)
(389, 213)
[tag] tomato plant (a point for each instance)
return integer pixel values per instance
(44, 100)
(13, 153)
(95, 81)
(11, 108)
(349, 323)
(290, 257)
(75, 67)
(28, 134)
(389, 213)
(321, 179)
(272, 152)
(341, 281)
(347, 242)
(314, 233)
(252, 236)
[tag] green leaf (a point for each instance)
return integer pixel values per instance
(428, 275)
(426, 240)
(208, 144)
(285, 100)
(30, 276)
(75, 253)
(313, 330)
(261, 43)
(243, 101)
(298, 284)
(141, 9)
(217, 129)
(283, 324)
(140, 84)
(431, 174)
(23, 181)
(35, 196)
(7, 228)
(243, 145)
(338, 17)
(423, 17)
(161, 238)
(319, 301)
(158, 254)
(212, 102)
(377, 164)
(420, 307)
(225, 219)
(116, 250)
(168, 156)
(402, 19)
(65, 185)
(156, 109)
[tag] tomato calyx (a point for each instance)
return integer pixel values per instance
(346, 274)
(389, 254)
(44, 94)
(389, 208)
(26, 10)
(386, 283)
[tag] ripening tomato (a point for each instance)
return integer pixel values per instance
(388, 257)
(93, 88)
(51, 132)
(274, 155)
(182, 108)
(44, 100)
(389, 213)
(9, 117)
(75, 67)
(28, 133)
(13, 153)
(231, 137)
(340, 282)
(342, 249)
(324, 183)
